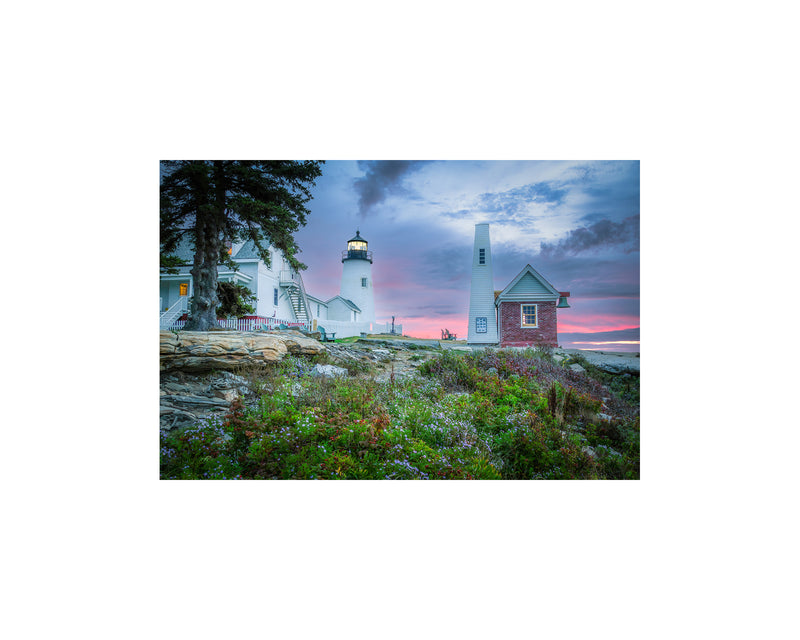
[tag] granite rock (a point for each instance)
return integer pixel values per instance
(226, 350)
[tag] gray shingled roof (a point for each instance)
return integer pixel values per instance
(185, 250)
(248, 251)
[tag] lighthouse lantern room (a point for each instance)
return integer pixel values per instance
(357, 249)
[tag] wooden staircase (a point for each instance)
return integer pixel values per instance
(174, 312)
(292, 283)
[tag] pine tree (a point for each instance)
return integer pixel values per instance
(218, 202)
(234, 300)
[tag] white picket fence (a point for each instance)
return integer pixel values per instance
(246, 324)
(338, 327)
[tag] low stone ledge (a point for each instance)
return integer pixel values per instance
(226, 350)
(201, 400)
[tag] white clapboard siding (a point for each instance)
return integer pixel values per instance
(481, 292)
(529, 288)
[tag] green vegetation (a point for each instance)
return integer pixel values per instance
(625, 386)
(234, 300)
(488, 415)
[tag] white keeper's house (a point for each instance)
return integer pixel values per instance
(281, 296)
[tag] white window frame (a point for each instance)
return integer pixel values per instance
(482, 327)
(481, 256)
(522, 315)
(274, 296)
(363, 282)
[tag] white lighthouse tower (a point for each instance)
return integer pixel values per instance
(357, 277)
(482, 312)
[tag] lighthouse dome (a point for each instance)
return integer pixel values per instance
(357, 238)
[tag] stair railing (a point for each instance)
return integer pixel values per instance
(174, 312)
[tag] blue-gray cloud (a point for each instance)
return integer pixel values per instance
(449, 266)
(514, 204)
(515, 201)
(609, 190)
(381, 178)
(601, 234)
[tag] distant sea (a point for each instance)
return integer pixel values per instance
(604, 346)
(624, 340)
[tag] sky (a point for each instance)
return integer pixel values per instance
(576, 223)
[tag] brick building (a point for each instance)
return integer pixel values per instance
(526, 311)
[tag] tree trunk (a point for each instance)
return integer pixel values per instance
(203, 312)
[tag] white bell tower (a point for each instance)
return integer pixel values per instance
(357, 277)
(482, 312)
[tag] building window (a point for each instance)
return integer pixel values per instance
(318, 311)
(481, 256)
(275, 297)
(480, 325)
(529, 318)
(184, 288)
(363, 282)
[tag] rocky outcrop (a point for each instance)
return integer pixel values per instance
(392, 360)
(328, 371)
(610, 362)
(187, 398)
(227, 350)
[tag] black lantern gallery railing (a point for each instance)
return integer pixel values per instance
(353, 254)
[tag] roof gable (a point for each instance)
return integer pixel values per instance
(315, 299)
(249, 251)
(347, 302)
(528, 285)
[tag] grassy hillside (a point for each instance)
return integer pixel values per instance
(494, 414)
